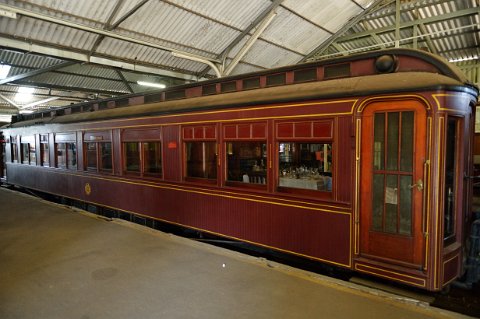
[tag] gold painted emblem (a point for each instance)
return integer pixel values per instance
(88, 189)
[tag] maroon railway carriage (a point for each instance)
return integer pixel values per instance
(357, 162)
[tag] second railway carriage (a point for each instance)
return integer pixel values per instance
(361, 162)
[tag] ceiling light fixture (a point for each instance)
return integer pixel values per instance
(151, 84)
(24, 94)
(475, 57)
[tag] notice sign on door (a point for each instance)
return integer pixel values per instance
(391, 196)
(172, 145)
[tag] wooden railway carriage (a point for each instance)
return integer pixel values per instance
(359, 162)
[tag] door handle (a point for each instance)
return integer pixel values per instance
(418, 185)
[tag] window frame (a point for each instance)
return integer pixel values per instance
(67, 139)
(241, 184)
(207, 133)
(27, 148)
(14, 151)
(97, 138)
(323, 135)
(44, 141)
(140, 137)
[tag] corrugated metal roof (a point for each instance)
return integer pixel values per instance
(207, 29)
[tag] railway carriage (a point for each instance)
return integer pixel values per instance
(360, 162)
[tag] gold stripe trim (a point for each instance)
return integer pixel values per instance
(367, 101)
(224, 194)
(390, 272)
(208, 231)
(429, 188)
(357, 184)
(441, 124)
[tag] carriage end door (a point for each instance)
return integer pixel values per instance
(392, 185)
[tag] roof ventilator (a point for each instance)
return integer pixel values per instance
(386, 63)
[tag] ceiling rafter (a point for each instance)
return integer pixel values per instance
(109, 27)
(36, 72)
(223, 56)
(409, 24)
(322, 47)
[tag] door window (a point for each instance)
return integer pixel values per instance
(393, 172)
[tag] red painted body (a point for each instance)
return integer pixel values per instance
(325, 226)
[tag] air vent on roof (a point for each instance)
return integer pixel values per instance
(103, 105)
(76, 109)
(121, 102)
(174, 95)
(252, 83)
(209, 89)
(152, 98)
(229, 86)
(276, 79)
(337, 71)
(305, 75)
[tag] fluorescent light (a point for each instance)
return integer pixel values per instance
(155, 85)
(26, 112)
(25, 94)
(25, 90)
(475, 57)
(4, 70)
(5, 118)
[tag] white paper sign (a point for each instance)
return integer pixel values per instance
(391, 196)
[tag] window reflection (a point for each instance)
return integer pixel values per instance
(201, 159)
(132, 157)
(91, 155)
(105, 156)
(305, 166)
(152, 155)
(99, 155)
(25, 153)
(246, 162)
(66, 155)
(44, 153)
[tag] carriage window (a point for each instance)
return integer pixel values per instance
(305, 166)
(14, 145)
(105, 149)
(132, 157)
(25, 153)
(247, 162)
(152, 158)
(60, 150)
(44, 151)
(150, 164)
(201, 158)
(99, 156)
(91, 155)
(71, 155)
(66, 155)
(450, 180)
(32, 154)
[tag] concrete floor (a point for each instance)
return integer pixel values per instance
(57, 262)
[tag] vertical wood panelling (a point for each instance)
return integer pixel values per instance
(172, 158)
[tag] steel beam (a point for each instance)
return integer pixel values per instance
(322, 47)
(261, 27)
(36, 72)
(223, 56)
(409, 24)
(93, 30)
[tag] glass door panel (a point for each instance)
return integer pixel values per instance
(392, 185)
